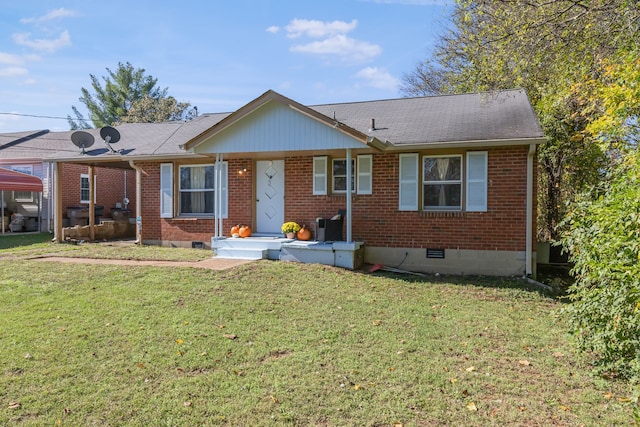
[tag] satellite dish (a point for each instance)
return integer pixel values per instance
(110, 136)
(82, 139)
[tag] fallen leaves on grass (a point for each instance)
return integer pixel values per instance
(472, 406)
(470, 369)
(524, 363)
(14, 405)
(230, 336)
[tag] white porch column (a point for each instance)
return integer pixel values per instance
(217, 213)
(92, 204)
(349, 194)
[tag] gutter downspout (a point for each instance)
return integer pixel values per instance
(529, 234)
(138, 170)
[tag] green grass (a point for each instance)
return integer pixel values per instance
(272, 343)
(25, 246)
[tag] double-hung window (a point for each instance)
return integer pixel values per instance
(197, 190)
(84, 188)
(340, 175)
(361, 174)
(442, 183)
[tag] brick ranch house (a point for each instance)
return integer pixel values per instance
(27, 153)
(438, 184)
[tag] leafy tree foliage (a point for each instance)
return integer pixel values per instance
(153, 110)
(124, 89)
(604, 238)
(603, 233)
(546, 47)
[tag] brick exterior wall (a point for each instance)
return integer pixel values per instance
(376, 218)
(109, 187)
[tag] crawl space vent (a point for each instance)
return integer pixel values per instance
(435, 253)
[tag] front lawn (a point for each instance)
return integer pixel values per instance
(274, 343)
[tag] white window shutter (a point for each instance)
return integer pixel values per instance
(166, 190)
(477, 181)
(365, 164)
(224, 211)
(320, 175)
(408, 190)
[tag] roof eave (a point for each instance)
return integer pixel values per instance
(464, 144)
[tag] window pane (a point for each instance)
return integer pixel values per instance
(196, 202)
(340, 167)
(196, 177)
(442, 196)
(340, 183)
(442, 168)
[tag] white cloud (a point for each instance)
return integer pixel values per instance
(13, 72)
(318, 29)
(378, 78)
(54, 14)
(273, 29)
(43, 45)
(348, 49)
(10, 59)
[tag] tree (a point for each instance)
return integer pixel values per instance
(546, 47)
(153, 110)
(122, 89)
(603, 225)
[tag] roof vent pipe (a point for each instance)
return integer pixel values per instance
(373, 124)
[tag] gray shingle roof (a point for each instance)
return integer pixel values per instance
(34, 145)
(479, 117)
(503, 115)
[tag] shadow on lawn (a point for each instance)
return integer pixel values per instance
(557, 277)
(15, 240)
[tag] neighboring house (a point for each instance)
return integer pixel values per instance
(438, 184)
(26, 152)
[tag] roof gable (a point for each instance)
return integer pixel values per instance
(274, 123)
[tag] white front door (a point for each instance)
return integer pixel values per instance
(269, 196)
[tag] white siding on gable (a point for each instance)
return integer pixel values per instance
(277, 127)
(408, 193)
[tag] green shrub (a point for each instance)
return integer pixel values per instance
(603, 239)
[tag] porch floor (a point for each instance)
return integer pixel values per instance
(339, 254)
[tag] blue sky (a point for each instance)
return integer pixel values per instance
(217, 55)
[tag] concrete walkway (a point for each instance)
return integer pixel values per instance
(211, 264)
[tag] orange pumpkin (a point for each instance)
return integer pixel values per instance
(235, 230)
(304, 233)
(245, 231)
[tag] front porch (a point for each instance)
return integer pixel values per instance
(339, 254)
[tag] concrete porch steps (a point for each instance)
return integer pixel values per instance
(339, 254)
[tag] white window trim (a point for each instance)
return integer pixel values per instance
(461, 182)
(180, 191)
(333, 177)
(95, 187)
(17, 194)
